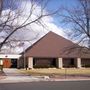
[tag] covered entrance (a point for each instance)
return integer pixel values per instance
(85, 62)
(69, 62)
(44, 62)
(9, 61)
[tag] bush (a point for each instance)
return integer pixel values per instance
(87, 65)
(43, 66)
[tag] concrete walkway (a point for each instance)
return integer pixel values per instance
(12, 75)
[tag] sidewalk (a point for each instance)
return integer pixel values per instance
(12, 75)
(2, 75)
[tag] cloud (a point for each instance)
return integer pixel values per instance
(30, 32)
(53, 27)
(48, 20)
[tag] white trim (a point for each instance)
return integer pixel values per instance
(11, 56)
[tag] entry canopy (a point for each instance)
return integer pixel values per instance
(11, 56)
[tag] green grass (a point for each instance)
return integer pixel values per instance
(55, 71)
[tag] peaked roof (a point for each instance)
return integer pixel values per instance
(52, 46)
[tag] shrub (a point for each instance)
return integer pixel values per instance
(43, 66)
(1, 67)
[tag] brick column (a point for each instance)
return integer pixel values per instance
(78, 62)
(60, 63)
(30, 63)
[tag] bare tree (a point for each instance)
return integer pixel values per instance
(10, 19)
(78, 19)
(0, 6)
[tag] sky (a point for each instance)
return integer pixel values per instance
(55, 4)
(51, 6)
(52, 22)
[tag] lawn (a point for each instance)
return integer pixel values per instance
(54, 71)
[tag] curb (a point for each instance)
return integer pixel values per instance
(23, 79)
(69, 79)
(34, 79)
